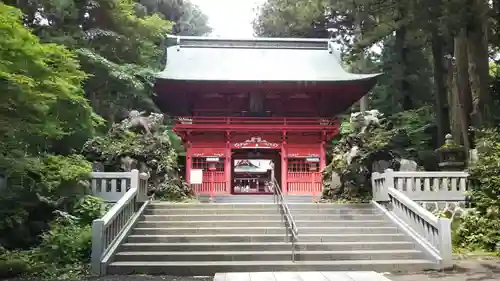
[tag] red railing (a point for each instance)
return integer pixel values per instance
(214, 182)
(305, 183)
(264, 122)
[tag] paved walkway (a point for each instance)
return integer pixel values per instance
(301, 276)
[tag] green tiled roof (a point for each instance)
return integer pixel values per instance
(258, 59)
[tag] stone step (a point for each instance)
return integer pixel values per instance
(261, 223)
(209, 268)
(262, 211)
(221, 238)
(185, 211)
(319, 206)
(341, 223)
(264, 230)
(240, 198)
(213, 206)
(335, 217)
(268, 255)
(248, 198)
(267, 246)
(197, 224)
(252, 217)
(258, 205)
(333, 211)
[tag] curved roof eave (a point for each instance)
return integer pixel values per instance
(191, 58)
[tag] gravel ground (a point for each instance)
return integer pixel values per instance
(151, 278)
(131, 278)
(464, 270)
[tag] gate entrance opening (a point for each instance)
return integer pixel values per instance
(253, 171)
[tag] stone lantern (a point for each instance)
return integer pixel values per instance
(451, 156)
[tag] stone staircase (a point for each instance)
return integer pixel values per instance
(203, 239)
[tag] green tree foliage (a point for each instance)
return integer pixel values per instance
(42, 97)
(63, 64)
(295, 18)
(189, 19)
(43, 109)
(119, 49)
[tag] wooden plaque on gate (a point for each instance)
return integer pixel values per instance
(256, 142)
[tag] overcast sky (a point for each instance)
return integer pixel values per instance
(230, 18)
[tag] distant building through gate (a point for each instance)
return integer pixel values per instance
(266, 99)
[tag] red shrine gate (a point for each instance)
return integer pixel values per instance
(297, 151)
(268, 99)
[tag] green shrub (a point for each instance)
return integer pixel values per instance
(64, 254)
(87, 209)
(478, 233)
(13, 264)
(480, 230)
(65, 249)
(67, 244)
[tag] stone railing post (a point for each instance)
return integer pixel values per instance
(97, 245)
(376, 186)
(445, 246)
(388, 183)
(139, 181)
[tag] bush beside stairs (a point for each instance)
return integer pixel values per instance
(198, 239)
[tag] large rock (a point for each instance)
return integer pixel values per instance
(140, 142)
(372, 145)
(407, 165)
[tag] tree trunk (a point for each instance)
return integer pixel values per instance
(442, 114)
(477, 32)
(400, 48)
(361, 64)
(439, 48)
(463, 89)
(454, 117)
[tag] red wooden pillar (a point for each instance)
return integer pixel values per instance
(211, 171)
(284, 168)
(322, 164)
(228, 168)
(189, 162)
(322, 156)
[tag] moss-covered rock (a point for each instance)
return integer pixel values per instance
(360, 152)
(127, 145)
